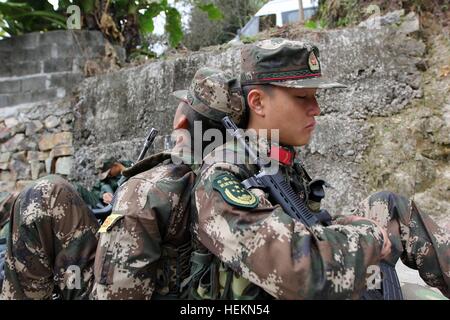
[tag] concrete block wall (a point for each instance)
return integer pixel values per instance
(38, 73)
(45, 66)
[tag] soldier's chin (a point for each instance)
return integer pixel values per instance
(297, 142)
(303, 140)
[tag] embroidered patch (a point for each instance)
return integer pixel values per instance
(313, 62)
(109, 222)
(233, 192)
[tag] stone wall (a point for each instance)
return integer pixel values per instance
(34, 143)
(45, 66)
(384, 71)
(388, 130)
(37, 76)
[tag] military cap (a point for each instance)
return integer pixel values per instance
(285, 63)
(214, 94)
(103, 165)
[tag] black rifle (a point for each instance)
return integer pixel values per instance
(102, 213)
(294, 206)
(148, 142)
(277, 186)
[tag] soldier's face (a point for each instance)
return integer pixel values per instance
(292, 111)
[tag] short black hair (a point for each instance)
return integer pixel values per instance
(267, 88)
(207, 123)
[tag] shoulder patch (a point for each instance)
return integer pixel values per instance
(233, 192)
(109, 222)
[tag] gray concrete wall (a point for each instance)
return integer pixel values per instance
(384, 74)
(38, 73)
(387, 130)
(45, 66)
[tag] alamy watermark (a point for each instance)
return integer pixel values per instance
(202, 147)
(72, 278)
(374, 279)
(374, 21)
(74, 20)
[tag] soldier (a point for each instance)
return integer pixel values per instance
(71, 222)
(110, 175)
(51, 242)
(144, 245)
(247, 247)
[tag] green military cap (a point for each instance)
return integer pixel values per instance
(285, 63)
(214, 94)
(103, 165)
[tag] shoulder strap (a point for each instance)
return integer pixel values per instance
(146, 164)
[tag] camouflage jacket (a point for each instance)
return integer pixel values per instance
(145, 244)
(260, 246)
(51, 242)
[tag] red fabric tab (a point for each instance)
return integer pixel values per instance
(281, 155)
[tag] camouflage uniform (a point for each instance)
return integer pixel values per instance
(247, 247)
(6, 203)
(144, 245)
(51, 235)
(416, 239)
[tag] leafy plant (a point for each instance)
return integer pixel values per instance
(311, 24)
(122, 21)
(22, 17)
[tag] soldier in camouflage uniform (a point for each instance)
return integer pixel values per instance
(247, 247)
(145, 244)
(109, 179)
(51, 242)
(70, 218)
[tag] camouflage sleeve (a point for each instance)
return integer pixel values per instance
(128, 258)
(270, 249)
(51, 243)
(416, 238)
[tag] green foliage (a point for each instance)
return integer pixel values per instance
(203, 32)
(311, 24)
(138, 54)
(146, 23)
(213, 12)
(340, 13)
(342, 22)
(133, 19)
(21, 17)
(316, 24)
(152, 11)
(249, 39)
(173, 26)
(323, 24)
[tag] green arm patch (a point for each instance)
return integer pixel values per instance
(233, 192)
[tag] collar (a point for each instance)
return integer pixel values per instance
(283, 155)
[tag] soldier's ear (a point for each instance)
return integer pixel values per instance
(254, 100)
(182, 123)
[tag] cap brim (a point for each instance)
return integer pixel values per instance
(181, 95)
(102, 176)
(320, 83)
